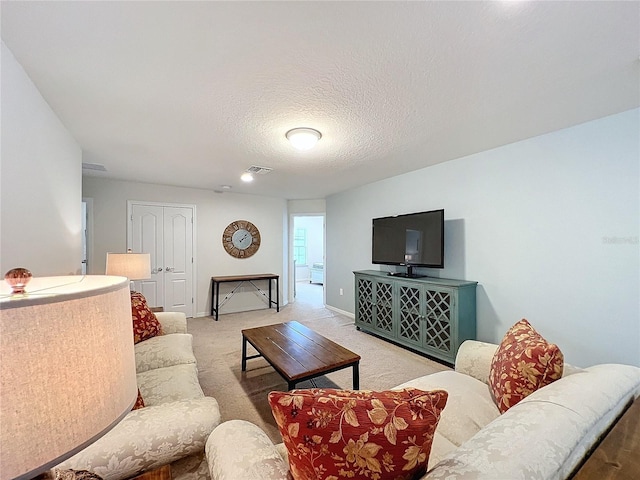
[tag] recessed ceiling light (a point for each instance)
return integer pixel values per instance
(246, 177)
(225, 187)
(303, 138)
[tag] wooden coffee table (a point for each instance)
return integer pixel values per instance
(298, 353)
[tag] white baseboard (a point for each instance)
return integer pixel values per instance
(342, 312)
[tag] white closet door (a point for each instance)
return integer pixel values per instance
(178, 259)
(166, 233)
(147, 237)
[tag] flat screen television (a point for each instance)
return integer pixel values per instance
(411, 240)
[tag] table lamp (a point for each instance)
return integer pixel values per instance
(67, 368)
(134, 266)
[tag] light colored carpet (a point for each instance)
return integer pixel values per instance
(243, 395)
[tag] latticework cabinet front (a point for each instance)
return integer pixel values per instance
(430, 315)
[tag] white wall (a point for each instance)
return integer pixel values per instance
(41, 181)
(214, 211)
(307, 207)
(548, 226)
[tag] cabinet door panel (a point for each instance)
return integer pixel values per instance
(409, 313)
(439, 312)
(364, 295)
(384, 307)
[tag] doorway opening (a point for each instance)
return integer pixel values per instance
(86, 265)
(308, 238)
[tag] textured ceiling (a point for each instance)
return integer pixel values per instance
(194, 93)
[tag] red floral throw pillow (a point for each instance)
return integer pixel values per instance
(523, 363)
(139, 402)
(145, 323)
(331, 434)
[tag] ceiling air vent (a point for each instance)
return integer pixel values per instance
(259, 170)
(94, 166)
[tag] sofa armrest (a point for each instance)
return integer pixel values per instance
(238, 449)
(149, 438)
(474, 359)
(172, 322)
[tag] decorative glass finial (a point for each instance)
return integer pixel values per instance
(18, 278)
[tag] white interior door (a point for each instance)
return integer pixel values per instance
(178, 259)
(166, 233)
(147, 233)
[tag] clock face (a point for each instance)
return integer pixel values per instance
(241, 239)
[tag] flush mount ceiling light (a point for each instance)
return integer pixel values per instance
(246, 177)
(303, 138)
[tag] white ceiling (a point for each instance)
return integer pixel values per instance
(193, 93)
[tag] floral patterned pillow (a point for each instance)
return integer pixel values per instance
(331, 434)
(145, 323)
(523, 363)
(139, 402)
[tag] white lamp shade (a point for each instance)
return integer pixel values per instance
(303, 138)
(67, 368)
(134, 266)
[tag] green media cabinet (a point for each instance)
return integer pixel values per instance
(430, 315)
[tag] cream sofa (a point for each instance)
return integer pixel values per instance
(545, 436)
(175, 422)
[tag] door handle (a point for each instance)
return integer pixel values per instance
(157, 270)
(168, 269)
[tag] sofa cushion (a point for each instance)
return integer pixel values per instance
(145, 323)
(523, 363)
(168, 384)
(332, 433)
(469, 408)
(164, 351)
(172, 322)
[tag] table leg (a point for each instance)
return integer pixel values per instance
(269, 282)
(217, 299)
(277, 293)
(244, 353)
(213, 291)
(356, 376)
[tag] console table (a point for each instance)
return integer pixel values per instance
(240, 279)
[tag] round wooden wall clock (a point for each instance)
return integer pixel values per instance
(241, 239)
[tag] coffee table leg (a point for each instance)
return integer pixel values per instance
(356, 376)
(244, 353)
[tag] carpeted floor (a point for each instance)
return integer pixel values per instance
(243, 395)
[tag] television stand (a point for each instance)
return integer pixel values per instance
(432, 316)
